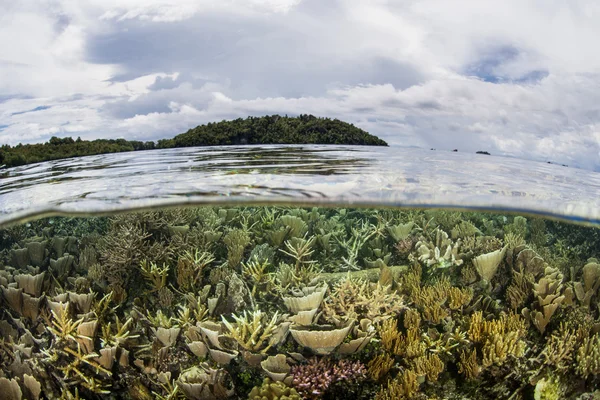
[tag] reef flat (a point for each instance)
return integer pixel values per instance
(283, 303)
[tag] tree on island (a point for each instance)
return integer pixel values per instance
(270, 129)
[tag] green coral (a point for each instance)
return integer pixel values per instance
(270, 390)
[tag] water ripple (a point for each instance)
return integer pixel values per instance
(302, 175)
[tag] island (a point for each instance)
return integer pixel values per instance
(270, 129)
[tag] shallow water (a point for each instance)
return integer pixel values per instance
(300, 175)
(238, 300)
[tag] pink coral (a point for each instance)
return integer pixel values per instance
(312, 380)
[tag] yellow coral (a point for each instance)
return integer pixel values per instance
(404, 386)
(468, 365)
(560, 348)
(379, 366)
(431, 366)
(499, 347)
(399, 344)
(588, 357)
(459, 297)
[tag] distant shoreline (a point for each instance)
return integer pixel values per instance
(270, 129)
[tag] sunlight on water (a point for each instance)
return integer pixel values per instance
(305, 175)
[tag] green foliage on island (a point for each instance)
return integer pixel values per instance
(60, 148)
(273, 129)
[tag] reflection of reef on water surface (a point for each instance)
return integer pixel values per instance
(280, 303)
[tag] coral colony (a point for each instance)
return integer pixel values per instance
(282, 303)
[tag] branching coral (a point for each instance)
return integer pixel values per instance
(154, 274)
(190, 268)
(287, 277)
(256, 272)
(252, 331)
(430, 366)
(300, 249)
(120, 250)
(419, 324)
(403, 387)
(588, 357)
(432, 299)
(360, 236)
(379, 366)
(468, 365)
(63, 327)
(499, 347)
(354, 299)
(500, 339)
(397, 343)
(313, 379)
(560, 348)
(121, 334)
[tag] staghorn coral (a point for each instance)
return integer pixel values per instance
(560, 349)
(498, 347)
(120, 250)
(354, 299)
(252, 331)
(436, 301)
(155, 275)
(359, 237)
(190, 268)
(499, 341)
(256, 272)
(519, 290)
(459, 297)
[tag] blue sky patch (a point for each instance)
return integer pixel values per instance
(485, 67)
(488, 67)
(38, 108)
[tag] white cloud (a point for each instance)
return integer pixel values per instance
(170, 11)
(520, 78)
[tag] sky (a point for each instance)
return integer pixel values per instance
(518, 77)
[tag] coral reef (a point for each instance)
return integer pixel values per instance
(284, 303)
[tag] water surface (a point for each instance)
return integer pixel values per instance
(300, 175)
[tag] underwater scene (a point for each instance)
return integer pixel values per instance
(299, 303)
